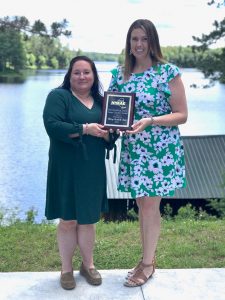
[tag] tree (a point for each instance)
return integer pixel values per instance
(17, 23)
(213, 68)
(17, 38)
(121, 57)
(21, 24)
(58, 29)
(218, 3)
(12, 53)
(39, 28)
(31, 61)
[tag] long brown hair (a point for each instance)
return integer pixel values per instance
(96, 89)
(153, 45)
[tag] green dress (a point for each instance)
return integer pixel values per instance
(76, 180)
(151, 162)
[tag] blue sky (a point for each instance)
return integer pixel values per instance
(101, 25)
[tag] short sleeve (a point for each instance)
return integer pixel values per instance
(166, 73)
(113, 86)
(114, 72)
(172, 71)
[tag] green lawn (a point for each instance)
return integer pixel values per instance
(182, 244)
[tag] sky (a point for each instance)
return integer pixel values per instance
(102, 25)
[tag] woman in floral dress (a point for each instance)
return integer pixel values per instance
(152, 155)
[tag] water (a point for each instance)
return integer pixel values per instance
(24, 143)
(206, 106)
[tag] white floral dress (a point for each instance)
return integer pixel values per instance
(151, 162)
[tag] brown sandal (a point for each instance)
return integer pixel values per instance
(132, 271)
(139, 278)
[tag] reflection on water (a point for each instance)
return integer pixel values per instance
(24, 143)
(206, 106)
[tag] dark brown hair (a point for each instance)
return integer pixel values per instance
(153, 45)
(96, 89)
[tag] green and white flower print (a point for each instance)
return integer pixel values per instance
(151, 162)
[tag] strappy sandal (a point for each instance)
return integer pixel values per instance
(132, 271)
(139, 278)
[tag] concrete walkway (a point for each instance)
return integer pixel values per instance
(175, 284)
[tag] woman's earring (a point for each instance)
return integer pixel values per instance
(130, 52)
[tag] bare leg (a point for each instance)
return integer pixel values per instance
(142, 240)
(140, 223)
(149, 219)
(67, 242)
(86, 240)
(150, 222)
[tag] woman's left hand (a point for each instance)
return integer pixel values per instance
(140, 125)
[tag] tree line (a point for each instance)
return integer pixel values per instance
(26, 46)
(33, 46)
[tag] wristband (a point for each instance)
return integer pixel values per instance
(151, 120)
(86, 131)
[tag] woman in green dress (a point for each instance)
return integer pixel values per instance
(152, 154)
(76, 180)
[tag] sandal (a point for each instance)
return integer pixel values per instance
(139, 278)
(132, 271)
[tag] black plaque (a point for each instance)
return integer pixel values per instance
(118, 110)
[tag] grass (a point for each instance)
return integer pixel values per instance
(182, 244)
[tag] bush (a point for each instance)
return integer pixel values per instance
(31, 214)
(203, 215)
(9, 216)
(218, 205)
(186, 212)
(167, 212)
(132, 215)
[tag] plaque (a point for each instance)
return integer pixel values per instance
(118, 110)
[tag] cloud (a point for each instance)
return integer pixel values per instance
(135, 1)
(102, 25)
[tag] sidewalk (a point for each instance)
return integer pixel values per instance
(176, 284)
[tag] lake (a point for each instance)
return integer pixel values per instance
(24, 143)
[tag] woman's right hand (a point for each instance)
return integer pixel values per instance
(96, 129)
(140, 125)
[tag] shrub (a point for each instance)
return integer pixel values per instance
(218, 205)
(186, 212)
(31, 214)
(132, 215)
(167, 212)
